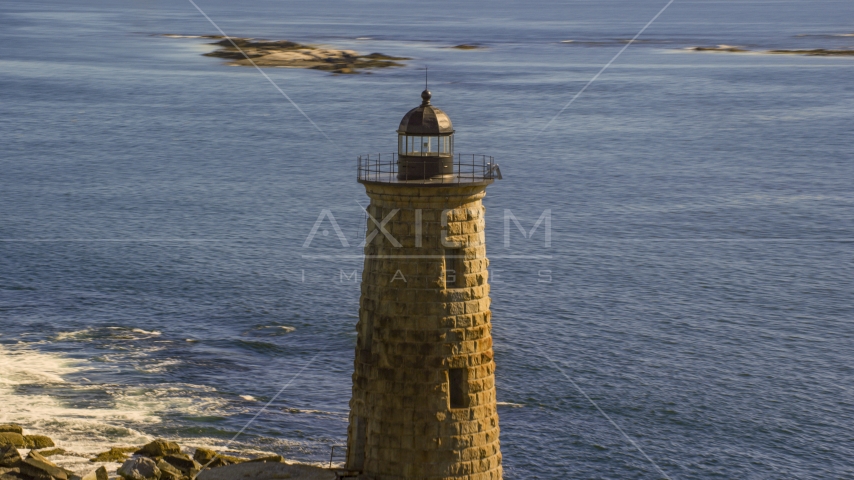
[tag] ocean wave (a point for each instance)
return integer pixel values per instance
(313, 412)
(260, 347)
(617, 41)
(105, 333)
(165, 399)
(157, 366)
(154, 333)
(270, 330)
(175, 35)
(73, 335)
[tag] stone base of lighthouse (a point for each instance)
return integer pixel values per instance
(423, 404)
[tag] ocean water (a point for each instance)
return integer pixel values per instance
(697, 286)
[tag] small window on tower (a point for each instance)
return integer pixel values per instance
(453, 272)
(458, 388)
(356, 450)
(367, 340)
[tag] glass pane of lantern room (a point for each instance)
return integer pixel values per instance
(434, 145)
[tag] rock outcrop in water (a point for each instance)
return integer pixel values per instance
(159, 448)
(157, 460)
(12, 438)
(283, 53)
(718, 48)
(140, 468)
(115, 454)
(38, 467)
(38, 441)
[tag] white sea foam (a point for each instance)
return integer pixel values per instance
(248, 398)
(153, 333)
(63, 336)
(510, 404)
(119, 333)
(32, 383)
(82, 430)
(27, 368)
(270, 330)
(157, 367)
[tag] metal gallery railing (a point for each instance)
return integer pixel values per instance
(467, 168)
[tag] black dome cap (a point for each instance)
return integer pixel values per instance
(425, 119)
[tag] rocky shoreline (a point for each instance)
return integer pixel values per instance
(287, 54)
(156, 460)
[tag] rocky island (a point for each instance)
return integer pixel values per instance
(822, 52)
(815, 52)
(287, 54)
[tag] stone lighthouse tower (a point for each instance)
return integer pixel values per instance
(423, 404)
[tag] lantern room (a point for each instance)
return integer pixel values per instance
(425, 142)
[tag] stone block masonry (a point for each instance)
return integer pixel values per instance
(423, 404)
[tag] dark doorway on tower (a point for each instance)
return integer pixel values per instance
(458, 388)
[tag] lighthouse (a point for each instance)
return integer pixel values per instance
(423, 403)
